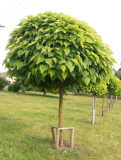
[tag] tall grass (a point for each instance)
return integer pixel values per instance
(26, 120)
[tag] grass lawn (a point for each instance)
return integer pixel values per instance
(26, 120)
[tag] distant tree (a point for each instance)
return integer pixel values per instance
(3, 82)
(100, 89)
(15, 87)
(113, 88)
(53, 50)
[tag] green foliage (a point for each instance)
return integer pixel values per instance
(114, 86)
(15, 87)
(96, 89)
(23, 89)
(50, 47)
(3, 83)
(10, 88)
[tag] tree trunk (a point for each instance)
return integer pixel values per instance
(114, 100)
(107, 102)
(60, 125)
(44, 93)
(93, 109)
(103, 106)
(111, 103)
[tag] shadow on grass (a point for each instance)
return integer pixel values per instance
(32, 94)
(39, 94)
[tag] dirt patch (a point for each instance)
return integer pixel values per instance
(21, 144)
(66, 146)
(102, 116)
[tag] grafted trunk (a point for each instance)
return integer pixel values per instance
(60, 125)
(103, 106)
(93, 108)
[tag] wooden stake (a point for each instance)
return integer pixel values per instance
(72, 138)
(57, 138)
(53, 134)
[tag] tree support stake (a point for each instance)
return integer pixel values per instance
(56, 138)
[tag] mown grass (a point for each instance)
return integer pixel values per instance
(25, 128)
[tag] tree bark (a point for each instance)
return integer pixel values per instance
(111, 103)
(103, 106)
(93, 109)
(60, 125)
(44, 93)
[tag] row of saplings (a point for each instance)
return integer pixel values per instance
(113, 89)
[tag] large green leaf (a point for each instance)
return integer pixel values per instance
(59, 75)
(38, 46)
(43, 68)
(29, 74)
(87, 80)
(75, 61)
(55, 36)
(67, 44)
(62, 61)
(60, 52)
(67, 50)
(70, 66)
(73, 37)
(26, 52)
(50, 54)
(20, 64)
(59, 41)
(40, 59)
(20, 52)
(48, 61)
(55, 59)
(63, 68)
(85, 73)
(92, 71)
(64, 74)
(52, 72)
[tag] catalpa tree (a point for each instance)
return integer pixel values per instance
(100, 89)
(114, 88)
(53, 50)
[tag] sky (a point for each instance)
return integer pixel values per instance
(102, 15)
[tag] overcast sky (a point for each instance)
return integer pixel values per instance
(102, 15)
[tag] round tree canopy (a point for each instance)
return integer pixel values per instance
(50, 47)
(96, 89)
(114, 86)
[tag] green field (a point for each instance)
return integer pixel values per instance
(26, 120)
